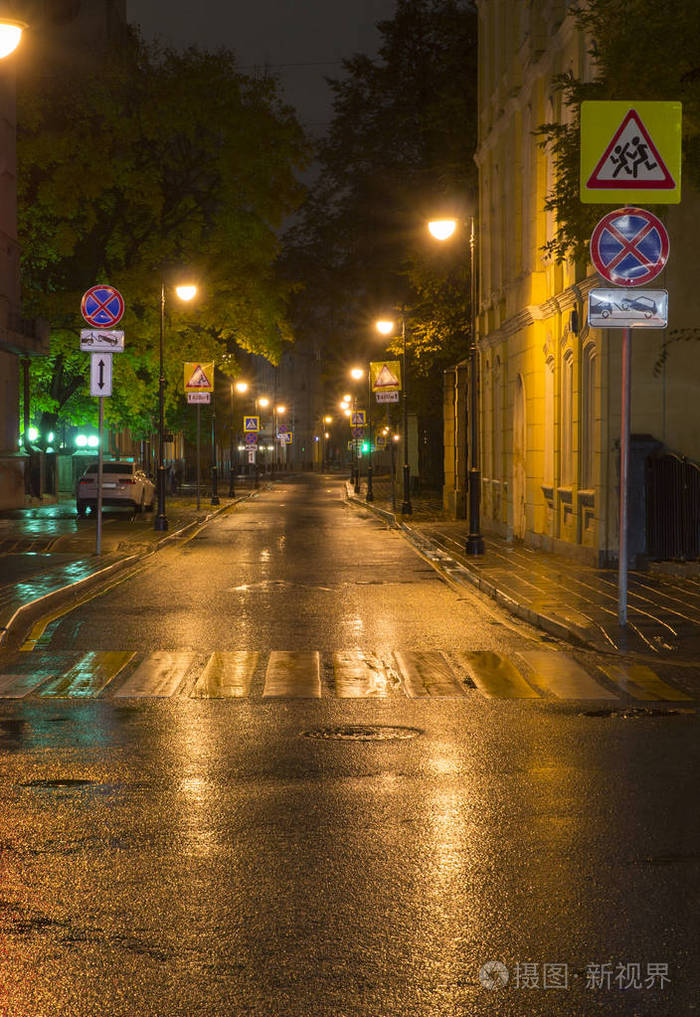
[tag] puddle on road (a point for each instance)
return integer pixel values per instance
(363, 733)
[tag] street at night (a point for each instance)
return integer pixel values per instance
(286, 768)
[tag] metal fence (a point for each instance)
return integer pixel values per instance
(673, 508)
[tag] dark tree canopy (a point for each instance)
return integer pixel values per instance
(400, 147)
(163, 165)
(643, 50)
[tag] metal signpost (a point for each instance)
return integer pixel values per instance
(629, 153)
(199, 385)
(101, 306)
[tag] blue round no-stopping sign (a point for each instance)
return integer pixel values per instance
(629, 247)
(102, 306)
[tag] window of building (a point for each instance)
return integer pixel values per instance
(548, 469)
(497, 420)
(589, 382)
(566, 451)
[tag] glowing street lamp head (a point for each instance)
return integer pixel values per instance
(442, 229)
(347, 412)
(264, 402)
(384, 326)
(281, 410)
(10, 35)
(327, 420)
(357, 373)
(241, 386)
(186, 291)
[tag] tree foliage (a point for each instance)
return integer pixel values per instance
(400, 147)
(165, 163)
(642, 50)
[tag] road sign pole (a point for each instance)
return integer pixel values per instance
(100, 424)
(214, 469)
(196, 484)
(624, 476)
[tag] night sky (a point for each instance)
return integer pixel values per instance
(300, 40)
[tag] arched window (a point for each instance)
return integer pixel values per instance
(488, 419)
(566, 450)
(589, 384)
(548, 466)
(497, 420)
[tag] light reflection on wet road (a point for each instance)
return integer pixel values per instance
(204, 856)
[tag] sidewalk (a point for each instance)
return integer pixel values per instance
(565, 598)
(47, 554)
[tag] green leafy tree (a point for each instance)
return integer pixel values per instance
(642, 50)
(185, 167)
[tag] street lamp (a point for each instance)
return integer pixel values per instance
(10, 35)
(280, 410)
(442, 229)
(241, 387)
(386, 328)
(324, 448)
(184, 292)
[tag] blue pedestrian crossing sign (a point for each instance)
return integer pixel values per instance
(358, 418)
(251, 425)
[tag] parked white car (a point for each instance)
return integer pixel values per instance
(123, 484)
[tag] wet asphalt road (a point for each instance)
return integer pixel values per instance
(215, 856)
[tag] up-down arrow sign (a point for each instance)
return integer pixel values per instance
(100, 374)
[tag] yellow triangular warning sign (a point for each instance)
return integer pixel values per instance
(199, 377)
(631, 160)
(386, 376)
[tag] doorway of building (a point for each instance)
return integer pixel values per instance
(519, 461)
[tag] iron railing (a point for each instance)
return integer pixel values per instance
(673, 507)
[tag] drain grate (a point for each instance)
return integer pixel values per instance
(636, 712)
(58, 783)
(363, 733)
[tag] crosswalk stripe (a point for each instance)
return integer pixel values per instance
(495, 676)
(293, 673)
(639, 681)
(563, 677)
(359, 675)
(159, 675)
(19, 683)
(227, 675)
(88, 676)
(426, 674)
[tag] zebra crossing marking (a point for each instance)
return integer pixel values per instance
(563, 677)
(357, 674)
(640, 682)
(227, 675)
(293, 673)
(88, 676)
(426, 674)
(496, 676)
(160, 675)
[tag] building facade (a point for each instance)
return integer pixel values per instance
(550, 386)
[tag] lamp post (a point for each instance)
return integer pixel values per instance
(184, 292)
(386, 328)
(442, 229)
(355, 373)
(241, 387)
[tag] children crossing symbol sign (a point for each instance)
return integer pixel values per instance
(630, 153)
(199, 377)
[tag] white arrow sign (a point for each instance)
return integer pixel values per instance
(101, 374)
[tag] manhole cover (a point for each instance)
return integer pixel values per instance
(363, 733)
(58, 782)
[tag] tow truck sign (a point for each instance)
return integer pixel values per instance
(618, 308)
